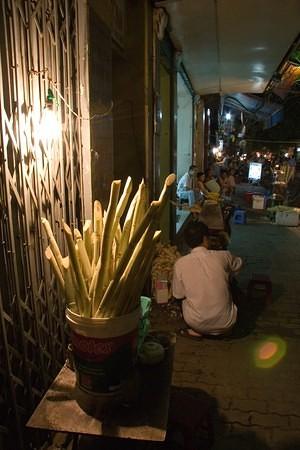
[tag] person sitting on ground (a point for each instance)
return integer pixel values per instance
(210, 182)
(224, 183)
(185, 187)
(201, 280)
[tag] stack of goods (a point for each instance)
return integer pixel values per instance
(284, 215)
(162, 271)
(212, 197)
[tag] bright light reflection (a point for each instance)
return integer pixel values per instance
(258, 82)
(258, 68)
(259, 48)
(228, 116)
(50, 127)
(270, 352)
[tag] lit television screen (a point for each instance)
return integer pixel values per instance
(255, 171)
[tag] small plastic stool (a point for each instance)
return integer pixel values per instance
(262, 283)
(239, 216)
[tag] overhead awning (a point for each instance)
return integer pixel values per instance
(258, 106)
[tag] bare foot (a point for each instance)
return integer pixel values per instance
(191, 332)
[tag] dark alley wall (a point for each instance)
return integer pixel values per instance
(121, 141)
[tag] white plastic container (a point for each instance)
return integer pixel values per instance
(287, 218)
(161, 290)
(104, 350)
(258, 202)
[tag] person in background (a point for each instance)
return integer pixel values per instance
(291, 164)
(200, 184)
(231, 181)
(201, 280)
(210, 182)
(186, 188)
(224, 183)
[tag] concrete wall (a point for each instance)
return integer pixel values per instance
(100, 44)
(120, 73)
(184, 127)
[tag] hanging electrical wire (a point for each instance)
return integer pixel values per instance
(105, 113)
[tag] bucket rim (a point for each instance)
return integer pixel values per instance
(94, 320)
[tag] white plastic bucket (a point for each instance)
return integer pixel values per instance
(104, 350)
(258, 202)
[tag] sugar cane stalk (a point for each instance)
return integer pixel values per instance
(87, 239)
(139, 208)
(102, 268)
(141, 276)
(52, 243)
(70, 290)
(98, 227)
(57, 272)
(126, 228)
(84, 261)
(83, 300)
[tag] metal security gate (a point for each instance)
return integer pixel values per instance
(39, 44)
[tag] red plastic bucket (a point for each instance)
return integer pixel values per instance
(104, 350)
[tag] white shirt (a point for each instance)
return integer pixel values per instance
(202, 278)
(185, 183)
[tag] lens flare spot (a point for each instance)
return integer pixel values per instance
(270, 352)
(267, 350)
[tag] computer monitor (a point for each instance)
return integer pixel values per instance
(255, 171)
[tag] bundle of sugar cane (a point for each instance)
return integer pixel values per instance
(108, 264)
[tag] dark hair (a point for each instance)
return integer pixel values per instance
(199, 174)
(192, 167)
(195, 233)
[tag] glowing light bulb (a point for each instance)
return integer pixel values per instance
(228, 116)
(50, 127)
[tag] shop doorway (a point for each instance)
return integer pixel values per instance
(184, 139)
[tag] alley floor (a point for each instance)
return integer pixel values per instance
(253, 389)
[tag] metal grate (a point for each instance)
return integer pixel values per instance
(39, 46)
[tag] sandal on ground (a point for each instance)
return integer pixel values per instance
(184, 332)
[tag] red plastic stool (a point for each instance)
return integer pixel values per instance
(248, 197)
(262, 283)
